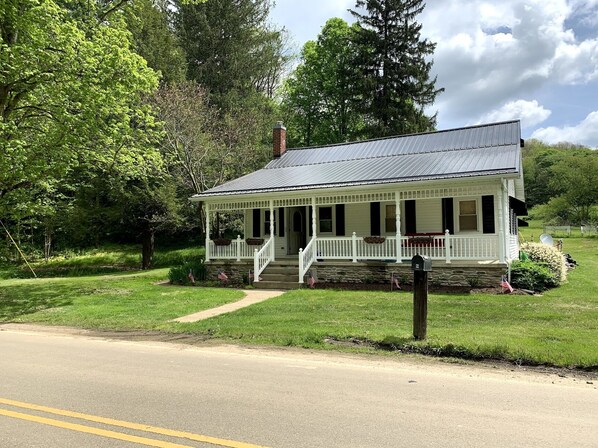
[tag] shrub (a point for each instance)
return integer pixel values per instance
(179, 275)
(550, 256)
(531, 275)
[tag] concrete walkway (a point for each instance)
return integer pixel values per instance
(251, 296)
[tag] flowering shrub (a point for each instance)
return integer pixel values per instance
(550, 256)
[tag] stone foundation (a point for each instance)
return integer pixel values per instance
(471, 275)
(235, 270)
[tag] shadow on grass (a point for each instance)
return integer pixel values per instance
(19, 300)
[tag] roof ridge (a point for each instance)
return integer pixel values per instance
(404, 135)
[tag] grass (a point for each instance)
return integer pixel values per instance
(559, 328)
(104, 260)
(113, 302)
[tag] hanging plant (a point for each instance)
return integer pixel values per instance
(374, 239)
(254, 241)
(222, 242)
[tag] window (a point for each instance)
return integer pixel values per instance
(391, 219)
(267, 223)
(468, 215)
(325, 219)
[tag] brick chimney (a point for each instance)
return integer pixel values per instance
(280, 140)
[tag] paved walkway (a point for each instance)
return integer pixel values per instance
(251, 296)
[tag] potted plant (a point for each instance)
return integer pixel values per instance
(374, 239)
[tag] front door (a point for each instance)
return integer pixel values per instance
(297, 237)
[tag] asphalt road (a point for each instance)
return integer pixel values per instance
(57, 390)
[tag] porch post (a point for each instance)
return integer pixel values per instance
(273, 245)
(447, 245)
(207, 206)
(501, 225)
(398, 224)
(313, 217)
(238, 247)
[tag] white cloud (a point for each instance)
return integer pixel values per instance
(585, 132)
(482, 65)
(529, 112)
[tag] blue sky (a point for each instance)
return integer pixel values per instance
(533, 60)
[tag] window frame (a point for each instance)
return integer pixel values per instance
(477, 214)
(326, 220)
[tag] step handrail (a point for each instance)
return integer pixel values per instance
(262, 258)
(306, 257)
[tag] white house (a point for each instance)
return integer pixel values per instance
(360, 211)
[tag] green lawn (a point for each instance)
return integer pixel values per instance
(559, 328)
(115, 302)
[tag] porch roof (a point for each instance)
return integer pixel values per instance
(492, 149)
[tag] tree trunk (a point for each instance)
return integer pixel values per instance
(47, 243)
(147, 251)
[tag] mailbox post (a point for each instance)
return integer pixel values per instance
(421, 265)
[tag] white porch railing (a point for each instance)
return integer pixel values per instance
(439, 247)
(237, 250)
(479, 247)
(513, 247)
(261, 258)
(306, 257)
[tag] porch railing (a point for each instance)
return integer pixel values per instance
(513, 247)
(306, 257)
(237, 250)
(262, 258)
(439, 247)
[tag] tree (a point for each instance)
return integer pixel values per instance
(319, 98)
(230, 46)
(203, 147)
(575, 180)
(70, 98)
(395, 67)
(155, 40)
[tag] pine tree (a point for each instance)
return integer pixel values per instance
(395, 63)
(231, 47)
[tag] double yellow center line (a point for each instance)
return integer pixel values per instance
(112, 422)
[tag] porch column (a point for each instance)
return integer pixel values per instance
(207, 206)
(273, 246)
(313, 217)
(501, 225)
(398, 224)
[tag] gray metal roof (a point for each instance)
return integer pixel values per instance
(466, 152)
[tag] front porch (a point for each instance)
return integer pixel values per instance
(467, 225)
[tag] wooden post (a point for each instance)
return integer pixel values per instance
(420, 305)
(238, 247)
(354, 248)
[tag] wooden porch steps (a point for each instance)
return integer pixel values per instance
(280, 275)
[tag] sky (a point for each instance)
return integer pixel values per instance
(532, 60)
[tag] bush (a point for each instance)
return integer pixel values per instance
(550, 256)
(179, 275)
(531, 275)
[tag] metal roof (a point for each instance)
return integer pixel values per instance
(457, 153)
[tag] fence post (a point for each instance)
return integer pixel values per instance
(238, 247)
(300, 265)
(354, 248)
(256, 267)
(447, 245)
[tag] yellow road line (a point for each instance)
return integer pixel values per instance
(129, 425)
(90, 430)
